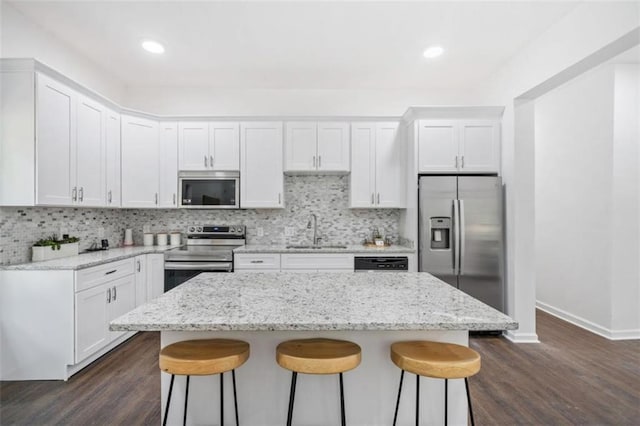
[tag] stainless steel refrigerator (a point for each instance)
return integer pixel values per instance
(461, 234)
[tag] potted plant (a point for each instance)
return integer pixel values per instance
(53, 248)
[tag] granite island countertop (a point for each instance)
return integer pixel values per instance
(313, 301)
(359, 249)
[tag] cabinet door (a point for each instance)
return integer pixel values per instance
(55, 142)
(193, 142)
(224, 146)
(333, 147)
(301, 146)
(141, 279)
(168, 164)
(155, 275)
(438, 146)
(363, 136)
(112, 140)
(123, 300)
(479, 146)
(90, 152)
(139, 162)
(390, 167)
(261, 173)
(91, 319)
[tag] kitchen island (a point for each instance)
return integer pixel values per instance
(372, 310)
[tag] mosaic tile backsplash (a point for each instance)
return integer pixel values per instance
(326, 196)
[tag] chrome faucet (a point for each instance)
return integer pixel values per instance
(316, 239)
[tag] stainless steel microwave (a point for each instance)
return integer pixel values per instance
(209, 190)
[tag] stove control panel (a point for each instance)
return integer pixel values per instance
(228, 230)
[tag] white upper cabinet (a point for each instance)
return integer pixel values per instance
(459, 146)
(261, 168)
(377, 166)
(140, 162)
(168, 185)
(208, 146)
(90, 152)
(321, 146)
(56, 142)
(112, 141)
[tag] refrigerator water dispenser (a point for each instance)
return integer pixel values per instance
(440, 233)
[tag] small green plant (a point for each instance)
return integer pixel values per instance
(54, 243)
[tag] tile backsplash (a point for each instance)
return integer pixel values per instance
(326, 196)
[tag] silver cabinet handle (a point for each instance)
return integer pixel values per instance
(138, 262)
(174, 198)
(108, 295)
(378, 198)
(74, 194)
(211, 161)
(114, 293)
(81, 194)
(257, 261)
(279, 198)
(456, 161)
(314, 161)
(156, 198)
(319, 161)
(462, 162)
(373, 199)
(109, 197)
(110, 272)
(205, 162)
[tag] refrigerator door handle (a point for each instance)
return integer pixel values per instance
(462, 236)
(456, 236)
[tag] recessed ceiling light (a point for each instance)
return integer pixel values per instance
(433, 52)
(153, 47)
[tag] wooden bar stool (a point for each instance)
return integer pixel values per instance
(317, 356)
(203, 358)
(438, 360)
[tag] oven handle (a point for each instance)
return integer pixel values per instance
(198, 266)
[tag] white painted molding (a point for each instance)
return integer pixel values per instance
(588, 325)
(517, 337)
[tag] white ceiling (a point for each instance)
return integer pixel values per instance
(290, 45)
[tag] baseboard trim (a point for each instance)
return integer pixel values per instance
(518, 337)
(588, 325)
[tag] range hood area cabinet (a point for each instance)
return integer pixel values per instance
(459, 146)
(67, 163)
(317, 147)
(261, 165)
(209, 146)
(377, 166)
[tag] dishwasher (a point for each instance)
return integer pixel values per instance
(380, 264)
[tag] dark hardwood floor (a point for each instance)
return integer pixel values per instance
(571, 377)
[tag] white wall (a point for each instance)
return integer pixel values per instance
(573, 193)
(589, 27)
(21, 38)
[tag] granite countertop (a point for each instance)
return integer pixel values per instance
(86, 260)
(314, 301)
(254, 248)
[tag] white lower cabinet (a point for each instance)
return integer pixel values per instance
(140, 265)
(258, 262)
(149, 274)
(321, 262)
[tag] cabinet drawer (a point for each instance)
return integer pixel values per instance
(317, 261)
(90, 277)
(256, 261)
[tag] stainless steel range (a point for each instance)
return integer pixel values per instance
(209, 248)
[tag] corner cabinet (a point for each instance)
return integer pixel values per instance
(261, 168)
(377, 166)
(459, 146)
(140, 162)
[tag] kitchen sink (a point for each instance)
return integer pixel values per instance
(315, 247)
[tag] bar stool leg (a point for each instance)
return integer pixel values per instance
(235, 397)
(395, 415)
(343, 417)
(222, 399)
(466, 385)
(166, 409)
(186, 399)
(417, 399)
(446, 399)
(292, 394)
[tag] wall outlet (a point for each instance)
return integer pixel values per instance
(260, 231)
(289, 231)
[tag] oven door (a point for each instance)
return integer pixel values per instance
(176, 273)
(209, 190)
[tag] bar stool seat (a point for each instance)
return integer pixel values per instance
(317, 356)
(202, 358)
(436, 360)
